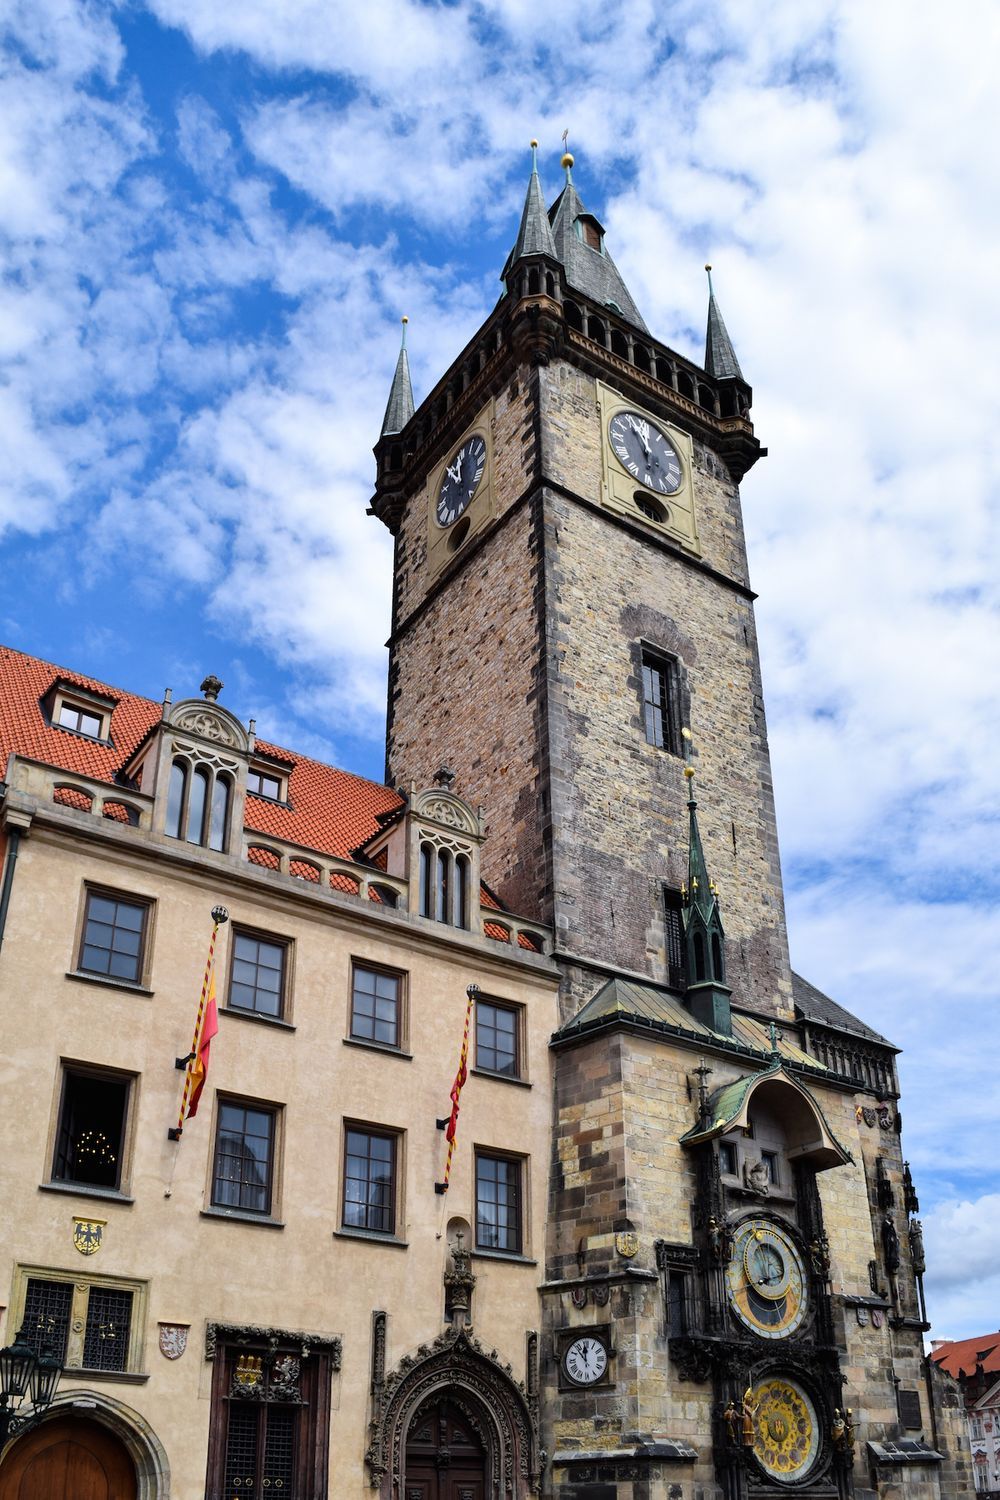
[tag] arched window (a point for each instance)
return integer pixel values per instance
(574, 318)
(699, 957)
(426, 882)
(640, 357)
(442, 906)
(176, 798)
(717, 969)
(664, 371)
(619, 343)
(461, 894)
(220, 814)
(197, 802)
(685, 384)
(597, 331)
(533, 281)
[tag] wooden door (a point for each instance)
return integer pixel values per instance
(444, 1457)
(67, 1458)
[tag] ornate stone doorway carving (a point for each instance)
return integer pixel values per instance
(445, 1459)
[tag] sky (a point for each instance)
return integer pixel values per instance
(212, 218)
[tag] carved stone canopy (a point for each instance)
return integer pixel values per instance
(208, 720)
(808, 1134)
(438, 805)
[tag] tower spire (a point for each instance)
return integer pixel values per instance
(579, 244)
(534, 236)
(720, 356)
(704, 938)
(399, 409)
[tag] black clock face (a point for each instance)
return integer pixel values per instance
(461, 480)
(646, 452)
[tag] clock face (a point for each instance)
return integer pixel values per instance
(786, 1431)
(646, 452)
(585, 1361)
(461, 480)
(766, 1280)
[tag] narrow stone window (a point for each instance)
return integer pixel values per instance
(659, 701)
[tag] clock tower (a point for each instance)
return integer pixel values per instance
(573, 642)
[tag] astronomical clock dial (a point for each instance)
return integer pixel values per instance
(766, 1280)
(646, 452)
(585, 1361)
(786, 1429)
(461, 479)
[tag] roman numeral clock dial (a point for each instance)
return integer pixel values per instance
(646, 452)
(462, 477)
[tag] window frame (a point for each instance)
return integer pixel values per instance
(675, 953)
(512, 1008)
(93, 891)
(272, 773)
(377, 1132)
(275, 1111)
(276, 940)
(82, 703)
(82, 1283)
(520, 1162)
(654, 659)
(178, 825)
(364, 965)
(71, 1067)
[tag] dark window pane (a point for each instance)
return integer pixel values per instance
(243, 1153)
(197, 799)
(375, 1007)
(674, 938)
(175, 799)
(496, 1038)
(109, 1320)
(220, 814)
(91, 1130)
(657, 687)
(369, 1182)
(258, 975)
(45, 1322)
(112, 937)
(498, 1203)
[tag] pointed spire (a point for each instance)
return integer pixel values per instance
(720, 356)
(535, 234)
(400, 405)
(579, 245)
(704, 938)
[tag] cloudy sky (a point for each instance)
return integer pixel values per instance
(212, 217)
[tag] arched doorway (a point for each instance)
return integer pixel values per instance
(445, 1459)
(68, 1458)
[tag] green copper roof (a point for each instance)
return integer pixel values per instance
(534, 237)
(590, 271)
(399, 409)
(720, 356)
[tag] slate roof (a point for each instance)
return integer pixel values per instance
(590, 271)
(961, 1356)
(534, 236)
(399, 408)
(812, 1005)
(720, 356)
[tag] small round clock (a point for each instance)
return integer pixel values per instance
(646, 452)
(766, 1280)
(461, 479)
(585, 1360)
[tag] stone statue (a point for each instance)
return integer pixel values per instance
(917, 1247)
(748, 1411)
(732, 1416)
(890, 1245)
(819, 1254)
(756, 1178)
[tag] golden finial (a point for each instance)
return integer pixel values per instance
(404, 319)
(685, 733)
(708, 268)
(567, 160)
(689, 772)
(534, 145)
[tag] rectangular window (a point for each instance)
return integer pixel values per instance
(244, 1157)
(673, 927)
(257, 977)
(265, 784)
(113, 937)
(770, 1162)
(497, 1038)
(679, 1318)
(727, 1158)
(88, 1322)
(80, 720)
(375, 1006)
(370, 1181)
(498, 1203)
(659, 692)
(90, 1138)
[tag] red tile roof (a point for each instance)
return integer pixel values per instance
(330, 811)
(961, 1356)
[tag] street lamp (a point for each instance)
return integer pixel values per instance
(25, 1373)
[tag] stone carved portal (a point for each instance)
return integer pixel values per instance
(456, 1382)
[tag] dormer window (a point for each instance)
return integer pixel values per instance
(80, 714)
(591, 233)
(265, 781)
(198, 805)
(444, 886)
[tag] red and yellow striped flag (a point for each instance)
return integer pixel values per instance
(205, 1027)
(199, 1067)
(456, 1089)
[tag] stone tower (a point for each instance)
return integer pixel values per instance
(573, 639)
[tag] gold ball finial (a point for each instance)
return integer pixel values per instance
(534, 144)
(708, 268)
(404, 319)
(567, 160)
(685, 733)
(689, 772)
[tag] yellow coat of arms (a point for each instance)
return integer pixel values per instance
(627, 1244)
(88, 1235)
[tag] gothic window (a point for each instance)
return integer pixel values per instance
(498, 1202)
(497, 1040)
(114, 933)
(375, 1005)
(442, 904)
(90, 1322)
(198, 803)
(659, 701)
(574, 318)
(370, 1180)
(270, 1412)
(242, 1175)
(674, 938)
(619, 343)
(90, 1138)
(257, 976)
(444, 886)
(699, 957)
(426, 881)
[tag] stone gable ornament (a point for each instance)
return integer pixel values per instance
(88, 1235)
(173, 1339)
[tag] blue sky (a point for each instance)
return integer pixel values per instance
(212, 218)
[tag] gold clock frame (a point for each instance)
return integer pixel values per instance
(442, 545)
(619, 488)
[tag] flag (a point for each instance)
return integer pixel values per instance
(457, 1086)
(199, 1064)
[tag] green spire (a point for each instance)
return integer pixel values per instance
(534, 237)
(720, 356)
(704, 937)
(399, 409)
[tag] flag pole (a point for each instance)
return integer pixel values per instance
(219, 916)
